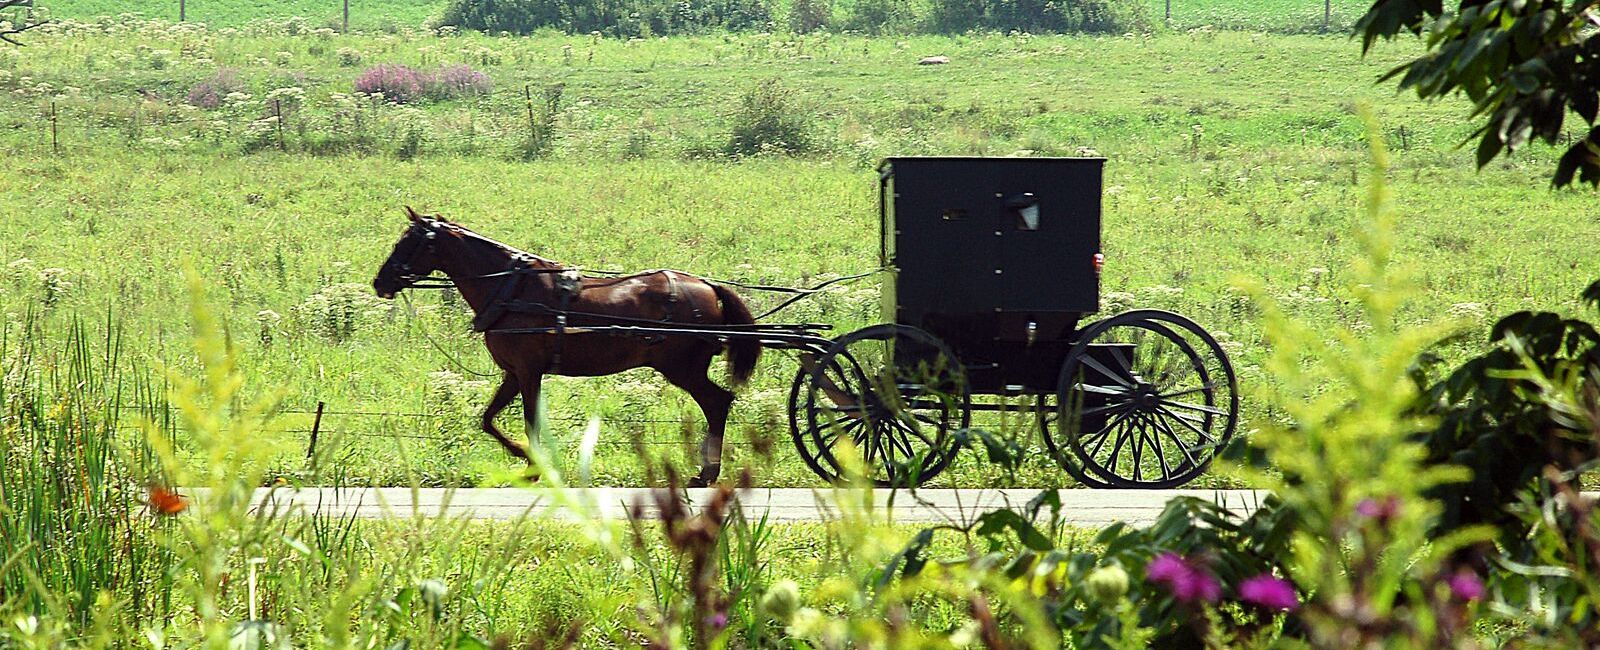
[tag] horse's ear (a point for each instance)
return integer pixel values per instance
(413, 214)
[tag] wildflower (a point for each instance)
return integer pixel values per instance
(166, 501)
(1465, 585)
(781, 600)
(1188, 581)
(1107, 583)
(1383, 511)
(717, 621)
(1270, 592)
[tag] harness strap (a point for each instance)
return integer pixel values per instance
(568, 284)
(497, 305)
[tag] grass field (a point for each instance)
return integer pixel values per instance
(1265, 15)
(1232, 156)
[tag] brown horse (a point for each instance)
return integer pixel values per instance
(512, 290)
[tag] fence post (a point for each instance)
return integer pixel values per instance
(1327, 13)
(277, 111)
(1169, 12)
(55, 141)
(316, 426)
(183, 10)
(347, 16)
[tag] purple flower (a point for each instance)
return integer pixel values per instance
(1270, 592)
(1188, 581)
(458, 80)
(398, 83)
(1383, 511)
(1165, 567)
(1466, 585)
(717, 621)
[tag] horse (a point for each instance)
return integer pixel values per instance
(511, 290)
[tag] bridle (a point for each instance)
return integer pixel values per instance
(408, 277)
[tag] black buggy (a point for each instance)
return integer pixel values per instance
(993, 266)
(994, 269)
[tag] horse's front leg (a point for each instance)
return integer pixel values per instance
(502, 398)
(532, 416)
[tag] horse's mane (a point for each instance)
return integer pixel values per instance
(510, 251)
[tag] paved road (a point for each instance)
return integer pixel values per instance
(1087, 508)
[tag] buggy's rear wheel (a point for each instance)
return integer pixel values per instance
(897, 394)
(1146, 398)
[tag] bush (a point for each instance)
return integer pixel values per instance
(456, 81)
(398, 83)
(806, 16)
(613, 17)
(879, 16)
(768, 120)
(210, 92)
(1039, 16)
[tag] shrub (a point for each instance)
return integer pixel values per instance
(806, 16)
(1039, 16)
(398, 83)
(211, 91)
(349, 57)
(879, 16)
(768, 120)
(613, 17)
(459, 80)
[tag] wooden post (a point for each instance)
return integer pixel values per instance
(183, 10)
(527, 94)
(277, 111)
(1169, 11)
(55, 141)
(1327, 13)
(316, 426)
(346, 16)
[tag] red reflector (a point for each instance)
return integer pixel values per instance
(1099, 262)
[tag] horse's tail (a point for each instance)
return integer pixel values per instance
(742, 353)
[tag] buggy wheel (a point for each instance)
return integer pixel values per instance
(1146, 398)
(799, 423)
(1048, 415)
(896, 393)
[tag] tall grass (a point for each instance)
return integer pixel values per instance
(70, 501)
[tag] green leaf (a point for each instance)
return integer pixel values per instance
(993, 524)
(1488, 147)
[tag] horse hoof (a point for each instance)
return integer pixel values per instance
(699, 482)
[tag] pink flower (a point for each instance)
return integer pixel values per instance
(1382, 510)
(717, 621)
(1466, 585)
(1270, 592)
(1188, 581)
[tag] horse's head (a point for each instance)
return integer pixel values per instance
(414, 256)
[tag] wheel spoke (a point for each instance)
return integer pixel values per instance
(1167, 429)
(1195, 407)
(1161, 454)
(1190, 391)
(1100, 368)
(1185, 422)
(1098, 390)
(1116, 450)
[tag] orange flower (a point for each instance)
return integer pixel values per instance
(166, 501)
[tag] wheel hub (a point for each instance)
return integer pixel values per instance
(1145, 396)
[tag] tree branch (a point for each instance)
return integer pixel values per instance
(24, 24)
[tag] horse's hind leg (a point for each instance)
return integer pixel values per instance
(714, 401)
(502, 397)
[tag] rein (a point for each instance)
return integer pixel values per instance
(798, 293)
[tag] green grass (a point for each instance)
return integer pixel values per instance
(364, 14)
(1231, 155)
(1260, 15)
